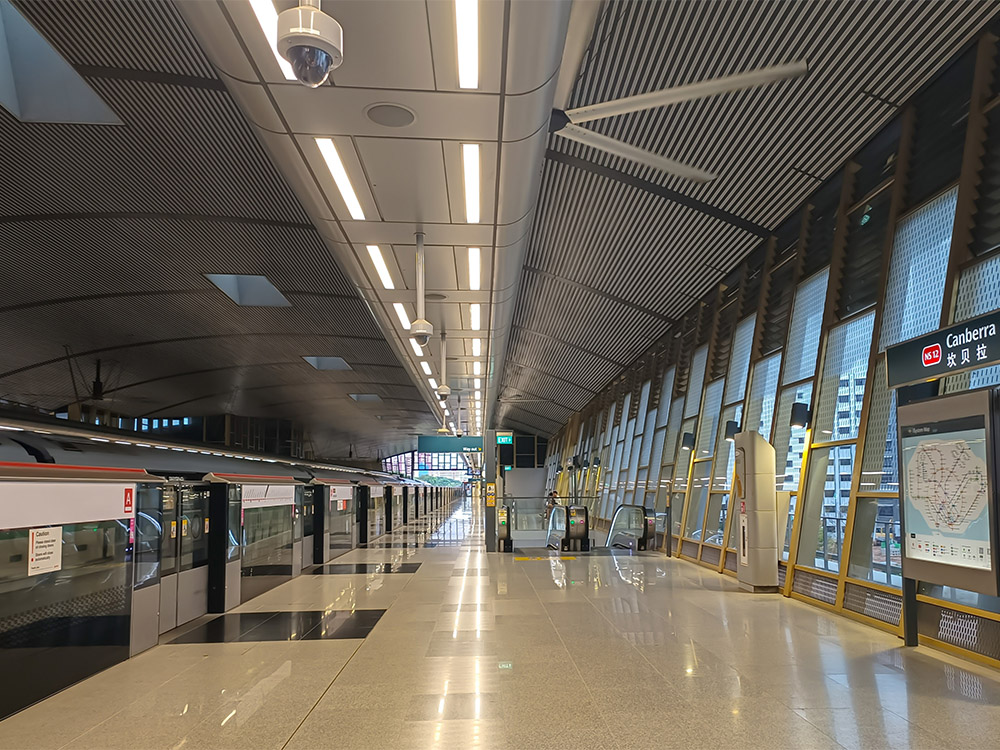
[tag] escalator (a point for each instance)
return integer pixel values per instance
(633, 527)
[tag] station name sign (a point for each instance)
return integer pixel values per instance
(960, 348)
(449, 444)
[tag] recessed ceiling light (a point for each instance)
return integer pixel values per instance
(404, 319)
(426, 368)
(477, 347)
(336, 167)
(474, 311)
(478, 383)
(479, 396)
(477, 368)
(433, 382)
(328, 363)
(416, 348)
(267, 17)
(470, 161)
(249, 291)
(475, 271)
(380, 267)
(365, 397)
(467, 32)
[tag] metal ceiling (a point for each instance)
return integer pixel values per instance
(106, 232)
(618, 250)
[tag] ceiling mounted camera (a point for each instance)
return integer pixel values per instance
(444, 390)
(311, 41)
(421, 331)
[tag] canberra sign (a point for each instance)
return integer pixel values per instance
(963, 347)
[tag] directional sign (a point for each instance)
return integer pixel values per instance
(449, 444)
(962, 347)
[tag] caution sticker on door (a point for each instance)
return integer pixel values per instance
(184, 527)
(173, 529)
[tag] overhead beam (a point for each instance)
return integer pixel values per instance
(658, 190)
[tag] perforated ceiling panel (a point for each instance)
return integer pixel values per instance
(107, 231)
(624, 249)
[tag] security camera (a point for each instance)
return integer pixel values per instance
(311, 41)
(421, 331)
(443, 391)
(458, 433)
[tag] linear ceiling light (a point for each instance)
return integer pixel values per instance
(426, 368)
(336, 167)
(474, 316)
(416, 348)
(383, 271)
(475, 272)
(477, 368)
(470, 161)
(478, 383)
(404, 319)
(467, 31)
(479, 397)
(267, 17)
(433, 382)
(477, 347)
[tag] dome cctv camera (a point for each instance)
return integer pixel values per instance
(421, 331)
(311, 41)
(444, 391)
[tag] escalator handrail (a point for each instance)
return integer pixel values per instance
(553, 529)
(638, 535)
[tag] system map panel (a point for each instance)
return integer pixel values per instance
(946, 503)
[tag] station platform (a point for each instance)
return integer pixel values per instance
(425, 640)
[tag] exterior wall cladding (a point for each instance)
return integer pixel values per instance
(902, 240)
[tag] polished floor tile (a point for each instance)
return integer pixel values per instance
(403, 645)
(364, 568)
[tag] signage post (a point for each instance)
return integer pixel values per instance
(490, 475)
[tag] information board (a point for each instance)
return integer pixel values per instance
(959, 348)
(946, 473)
(947, 508)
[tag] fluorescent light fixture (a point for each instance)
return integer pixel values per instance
(369, 397)
(426, 368)
(416, 348)
(446, 412)
(477, 368)
(433, 382)
(336, 167)
(478, 383)
(267, 17)
(404, 319)
(451, 425)
(12, 429)
(470, 161)
(383, 271)
(328, 363)
(100, 440)
(475, 269)
(479, 396)
(477, 347)
(474, 311)
(467, 32)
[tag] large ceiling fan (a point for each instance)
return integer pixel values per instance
(566, 122)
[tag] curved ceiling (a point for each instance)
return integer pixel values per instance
(619, 250)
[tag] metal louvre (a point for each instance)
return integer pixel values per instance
(107, 231)
(815, 587)
(642, 257)
(873, 603)
(971, 632)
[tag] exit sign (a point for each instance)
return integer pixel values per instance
(505, 438)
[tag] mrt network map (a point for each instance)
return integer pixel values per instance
(947, 493)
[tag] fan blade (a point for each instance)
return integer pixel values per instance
(698, 90)
(638, 155)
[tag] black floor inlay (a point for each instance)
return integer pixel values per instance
(365, 568)
(284, 626)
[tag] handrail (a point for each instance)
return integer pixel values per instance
(632, 527)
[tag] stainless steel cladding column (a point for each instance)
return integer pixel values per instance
(490, 457)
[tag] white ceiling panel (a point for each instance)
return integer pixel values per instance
(338, 111)
(407, 178)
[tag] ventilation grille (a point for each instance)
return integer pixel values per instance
(879, 605)
(724, 337)
(782, 571)
(730, 560)
(751, 281)
(986, 233)
(877, 160)
(711, 555)
(673, 545)
(815, 587)
(822, 225)
(778, 308)
(862, 267)
(939, 132)
(971, 632)
(690, 549)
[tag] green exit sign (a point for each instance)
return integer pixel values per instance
(508, 467)
(505, 438)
